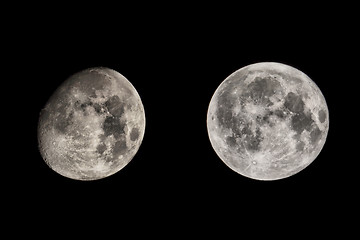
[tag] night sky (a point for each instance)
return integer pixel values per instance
(176, 56)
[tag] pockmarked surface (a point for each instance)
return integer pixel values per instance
(267, 121)
(92, 126)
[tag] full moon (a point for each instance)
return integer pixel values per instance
(92, 125)
(267, 121)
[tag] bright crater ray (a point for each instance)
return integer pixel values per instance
(267, 121)
(92, 126)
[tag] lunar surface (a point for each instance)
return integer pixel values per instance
(267, 121)
(92, 126)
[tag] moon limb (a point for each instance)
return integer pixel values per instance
(92, 126)
(262, 121)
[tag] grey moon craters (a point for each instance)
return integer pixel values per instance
(267, 121)
(92, 125)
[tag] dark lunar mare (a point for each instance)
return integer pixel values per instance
(120, 148)
(315, 135)
(226, 101)
(101, 148)
(134, 135)
(76, 106)
(64, 118)
(294, 103)
(302, 120)
(63, 121)
(260, 90)
(115, 106)
(322, 116)
(300, 146)
(240, 109)
(113, 126)
(60, 102)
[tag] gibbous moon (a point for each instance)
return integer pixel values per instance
(92, 126)
(267, 121)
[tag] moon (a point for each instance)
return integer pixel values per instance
(267, 121)
(92, 125)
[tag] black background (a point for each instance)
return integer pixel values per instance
(176, 56)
